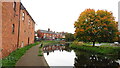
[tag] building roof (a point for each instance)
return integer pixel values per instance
(51, 32)
(23, 8)
(45, 31)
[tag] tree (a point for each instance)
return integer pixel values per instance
(69, 37)
(96, 26)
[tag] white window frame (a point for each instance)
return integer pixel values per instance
(23, 16)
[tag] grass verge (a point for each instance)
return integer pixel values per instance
(98, 49)
(49, 42)
(12, 59)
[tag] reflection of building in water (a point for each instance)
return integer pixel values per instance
(47, 53)
(51, 48)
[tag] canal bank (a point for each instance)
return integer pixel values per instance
(104, 50)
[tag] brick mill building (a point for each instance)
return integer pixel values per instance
(17, 27)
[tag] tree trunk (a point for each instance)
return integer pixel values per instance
(93, 43)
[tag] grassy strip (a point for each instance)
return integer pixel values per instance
(40, 51)
(16, 55)
(49, 42)
(91, 44)
(98, 50)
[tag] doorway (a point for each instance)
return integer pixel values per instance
(28, 40)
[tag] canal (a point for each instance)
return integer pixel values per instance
(62, 55)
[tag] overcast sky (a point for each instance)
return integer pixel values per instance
(60, 15)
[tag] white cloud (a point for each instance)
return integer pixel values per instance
(59, 15)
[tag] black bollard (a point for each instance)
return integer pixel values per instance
(41, 45)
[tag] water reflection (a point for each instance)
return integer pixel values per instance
(59, 55)
(62, 55)
(84, 59)
(52, 48)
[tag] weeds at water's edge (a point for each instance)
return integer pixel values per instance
(12, 59)
(40, 55)
(40, 51)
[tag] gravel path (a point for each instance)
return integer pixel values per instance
(31, 58)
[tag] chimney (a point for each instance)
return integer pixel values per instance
(48, 29)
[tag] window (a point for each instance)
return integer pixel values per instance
(24, 31)
(14, 6)
(13, 29)
(22, 44)
(23, 16)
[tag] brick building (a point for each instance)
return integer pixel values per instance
(50, 35)
(27, 26)
(17, 27)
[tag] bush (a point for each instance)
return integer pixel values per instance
(78, 43)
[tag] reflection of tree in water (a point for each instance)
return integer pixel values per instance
(93, 61)
(67, 48)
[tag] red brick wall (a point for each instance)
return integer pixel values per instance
(9, 17)
(0, 29)
(12, 41)
(26, 29)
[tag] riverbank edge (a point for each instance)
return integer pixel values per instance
(43, 57)
(45, 61)
(97, 49)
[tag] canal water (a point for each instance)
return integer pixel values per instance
(62, 55)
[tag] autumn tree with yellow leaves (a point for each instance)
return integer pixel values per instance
(96, 26)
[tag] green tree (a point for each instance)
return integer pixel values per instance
(69, 37)
(96, 26)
